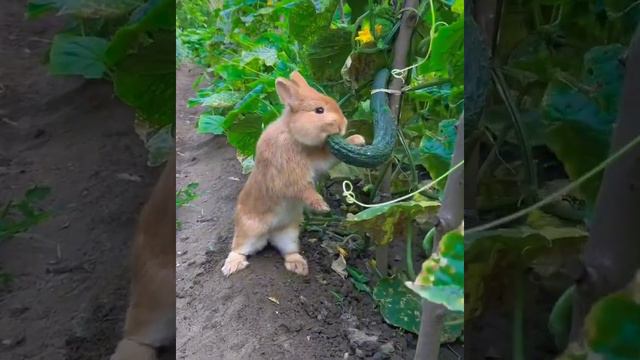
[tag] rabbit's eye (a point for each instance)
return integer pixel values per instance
(319, 110)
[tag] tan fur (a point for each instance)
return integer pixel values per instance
(151, 315)
(290, 154)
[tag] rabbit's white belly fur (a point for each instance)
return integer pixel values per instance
(287, 213)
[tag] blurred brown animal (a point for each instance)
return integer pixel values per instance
(151, 314)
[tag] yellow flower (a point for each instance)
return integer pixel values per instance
(364, 36)
(269, 2)
(378, 29)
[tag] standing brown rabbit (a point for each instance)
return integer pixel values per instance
(290, 154)
(151, 317)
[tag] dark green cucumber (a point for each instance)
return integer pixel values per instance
(384, 132)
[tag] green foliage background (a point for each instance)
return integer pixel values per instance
(551, 107)
(130, 43)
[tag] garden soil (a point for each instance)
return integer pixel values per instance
(264, 311)
(70, 274)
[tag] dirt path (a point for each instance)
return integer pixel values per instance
(68, 297)
(233, 319)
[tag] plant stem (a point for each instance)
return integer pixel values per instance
(410, 269)
(401, 48)
(382, 259)
(450, 217)
(518, 317)
(431, 324)
(427, 85)
(505, 93)
(372, 19)
(380, 180)
(412, 165)
(612, 254)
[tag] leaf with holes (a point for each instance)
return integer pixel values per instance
(441, 280)
(401, 307)
(386, 222)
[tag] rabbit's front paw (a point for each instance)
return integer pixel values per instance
(357, 140)
(128, 349)
(296, 263)
(319, 205)
(234, 262)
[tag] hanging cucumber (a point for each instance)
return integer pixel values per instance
(384, 132)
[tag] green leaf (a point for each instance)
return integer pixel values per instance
(210, 124)
(78, 55)
(446, 59)
(458, 7)
(361, 286)
(560, 318)
(243, 134)
(308, 20)
(562, 104)
(344, 171)
(497, 251)
(387, 221)
(18, 217)
(152, 16)
(532, 57)
(38, 8)
(360, 68)
(580, 154)
(363, 111)
(327, 54)
(160, 146)
(358, 7)
(37, 193)
(232, 73)
(436, 153)
(613, 327)
(570, 112)
(187, 194)
(441, 280)
(95, 9)
(268, 55)
(146, 80)
(357, 275)
(222, 99)
(604, 71)
(247, 165)
(401, 307)
(248, 102)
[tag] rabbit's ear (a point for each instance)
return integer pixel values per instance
(298, 79)
(287, 91)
